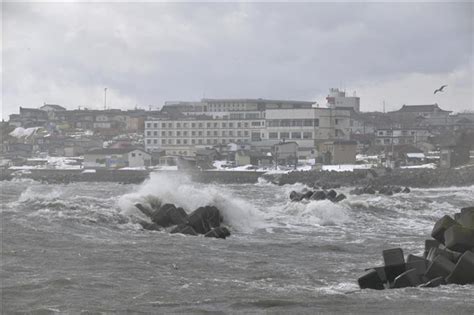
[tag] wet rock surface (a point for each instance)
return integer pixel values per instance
(383, 190)
(204, 220)
(331, 195)
(447, 259)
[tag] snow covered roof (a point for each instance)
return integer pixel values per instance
(416, 155)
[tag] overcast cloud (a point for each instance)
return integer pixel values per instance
(147, 53)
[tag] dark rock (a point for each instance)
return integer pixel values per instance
(178, 216)
(294, 196)
(203, 219)
(369, 190)
(441, 226)
(318, 195)
(439, 267)
(144, 209)
(397, 190)
(218, 232)
(161, 216)
(340, 197)
(459, 238)
(463, 272)
(150, 226)
(307, 195)
(371, 280)
(331, 195)
(436, 282)
(409, 278)
(184, 229)
(406, 190)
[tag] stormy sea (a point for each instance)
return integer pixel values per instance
(78, 249)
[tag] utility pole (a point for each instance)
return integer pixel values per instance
(105, 98)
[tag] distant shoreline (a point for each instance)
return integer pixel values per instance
(422, 178)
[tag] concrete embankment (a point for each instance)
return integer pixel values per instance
(131, 176)
(379, 177)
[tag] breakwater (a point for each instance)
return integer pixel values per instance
(130, 176)
(421, 178)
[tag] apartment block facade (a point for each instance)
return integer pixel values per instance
(184, 135)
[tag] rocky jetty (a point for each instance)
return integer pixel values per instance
(204, 220)
(448, 258)
(383, 190)
(378, 177)
(331, 195)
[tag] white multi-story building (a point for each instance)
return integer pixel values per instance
(244, 121)
(397, 136)
(182, 136)
(338, 100)
(307, 127)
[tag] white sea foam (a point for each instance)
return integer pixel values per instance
(181, 191)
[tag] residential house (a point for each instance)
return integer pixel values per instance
(339, 152)
(117, 158)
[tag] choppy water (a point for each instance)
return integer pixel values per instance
(77, 249)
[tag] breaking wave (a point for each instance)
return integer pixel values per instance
(181, 191)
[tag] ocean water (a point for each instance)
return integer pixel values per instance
(77, 249)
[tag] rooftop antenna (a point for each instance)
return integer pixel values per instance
(105, 98)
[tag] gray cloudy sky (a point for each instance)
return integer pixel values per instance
(147, 53)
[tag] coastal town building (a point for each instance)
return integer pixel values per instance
(182, 136)
(421, 115)
(117, 158)
(337, 99)
(339, 152)
(398, 136)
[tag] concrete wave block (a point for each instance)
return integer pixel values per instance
(418, 263)
(429, 244)
(441, 226)
(466, 217)
(439, 267)
(371, 280)
(409, 278)
(463, 272)
(459, 238)
(436, 282)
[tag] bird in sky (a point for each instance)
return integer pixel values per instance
(440, 89)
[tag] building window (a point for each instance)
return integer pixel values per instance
(208, 125)
(163, 125)
(155, 125)
(185, 141)
(273, 135)
(178, 125)
(133, 154)
(199, 133)
(148, 125)
(163, 141)
(155, 133)
(284, 135)
(307, 135)
(170, 125)
(231, 125)
(148, 133)
(316, 122)
(178, 133)
(155, 141)
(224, 125)
(200, 125)
(163, 133)
(193, 141)
(185, 133)
(255, 123)
(148, 141)
(178, 141)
